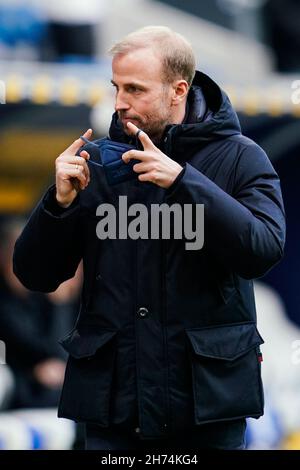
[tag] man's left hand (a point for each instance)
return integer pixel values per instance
(155, 166)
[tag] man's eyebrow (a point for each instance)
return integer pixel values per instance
(136, 84)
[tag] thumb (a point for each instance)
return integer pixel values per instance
(85, 155)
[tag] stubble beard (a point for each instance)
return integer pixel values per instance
(152, 126)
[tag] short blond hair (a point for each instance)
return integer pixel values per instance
(178, 60)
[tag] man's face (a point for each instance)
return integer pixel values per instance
(141, 96)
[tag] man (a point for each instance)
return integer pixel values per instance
(165, 349)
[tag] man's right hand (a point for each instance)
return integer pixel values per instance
(72, 172)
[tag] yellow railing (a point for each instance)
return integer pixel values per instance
(273, 100)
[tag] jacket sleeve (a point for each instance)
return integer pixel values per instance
(244, 230)
(49, 248)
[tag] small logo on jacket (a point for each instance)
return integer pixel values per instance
(159, 221)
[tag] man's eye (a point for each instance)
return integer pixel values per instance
(133, 89)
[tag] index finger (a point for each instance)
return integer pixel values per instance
(75, 146)
(141, 135)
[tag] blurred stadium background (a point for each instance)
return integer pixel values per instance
(54, 83)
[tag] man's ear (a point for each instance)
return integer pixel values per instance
(180, 91)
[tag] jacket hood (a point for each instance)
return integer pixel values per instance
(209, 116)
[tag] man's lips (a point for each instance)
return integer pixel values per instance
(128, 119)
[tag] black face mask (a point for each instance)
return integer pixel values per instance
(110, 156)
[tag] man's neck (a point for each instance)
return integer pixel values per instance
(180, 114)
(176, 118)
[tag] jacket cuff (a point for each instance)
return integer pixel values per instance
(173, 186)
(52, 207)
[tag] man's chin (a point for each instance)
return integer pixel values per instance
(125, 129)
(134, 121)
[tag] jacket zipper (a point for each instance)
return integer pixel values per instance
(164, 326)
(137, 355)
(167, 143)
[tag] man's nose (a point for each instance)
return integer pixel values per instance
(121, 103)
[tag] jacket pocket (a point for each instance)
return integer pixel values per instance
(226, 372)
(89, 372)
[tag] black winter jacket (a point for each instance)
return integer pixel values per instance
(166, 334)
